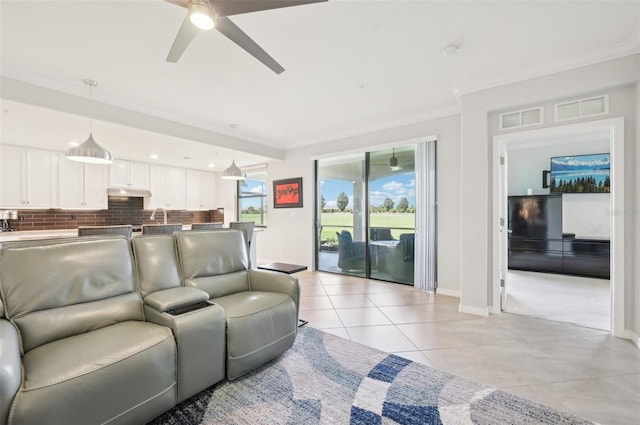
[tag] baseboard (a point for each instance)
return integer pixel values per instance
(476, 311)
(448, 292)
(495, 310)
(629, 334)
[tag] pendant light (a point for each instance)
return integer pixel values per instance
(90, 151)
(233, 172)
(393, 161)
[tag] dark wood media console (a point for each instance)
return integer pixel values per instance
(580, 257)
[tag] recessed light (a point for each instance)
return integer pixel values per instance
(74, 144)
(153, 156)
(212, 165)
(449, 50)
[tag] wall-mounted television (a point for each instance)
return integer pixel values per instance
(581, 174)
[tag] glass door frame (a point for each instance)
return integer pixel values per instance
(365, 203)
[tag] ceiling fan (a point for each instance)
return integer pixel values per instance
(209, 14)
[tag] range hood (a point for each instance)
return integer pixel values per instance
(128, 192)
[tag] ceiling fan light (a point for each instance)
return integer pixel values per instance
(202, 15)
(233, 172)
(91, 152)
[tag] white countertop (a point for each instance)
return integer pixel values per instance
(26, 235)
(37, 234)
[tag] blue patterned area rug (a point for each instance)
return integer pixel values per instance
(324, 379)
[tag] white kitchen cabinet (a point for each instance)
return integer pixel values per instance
(200, 190)
(82, 186)
(167, 185)
(129, 174)
(29, 177)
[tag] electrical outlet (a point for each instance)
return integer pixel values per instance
(74, 216)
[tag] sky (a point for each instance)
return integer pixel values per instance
(396, 187)
(253, 186)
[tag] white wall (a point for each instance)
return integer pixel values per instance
(476, 277)
(587, 215)
(289, 236)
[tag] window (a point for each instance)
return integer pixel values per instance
(252, 197)
(522, 118)
(582, 108)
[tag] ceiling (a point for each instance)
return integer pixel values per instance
(351, 67)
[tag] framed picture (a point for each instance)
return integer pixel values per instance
(287, 193)
(581, 174)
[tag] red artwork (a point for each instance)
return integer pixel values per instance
(287, 193)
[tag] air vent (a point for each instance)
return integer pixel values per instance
(581, 108)
(523, 118)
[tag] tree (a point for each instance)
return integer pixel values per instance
(403, 205)
(388, 204)
(322, 203)
(342, 201)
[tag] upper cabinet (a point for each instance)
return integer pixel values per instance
(201, 190)
(36, 178)
(129, 174)
(167, 185)
(82, 186)
(28, 177)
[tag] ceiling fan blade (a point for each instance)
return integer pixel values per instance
(235, 34)
(237, 7)
(185, 35)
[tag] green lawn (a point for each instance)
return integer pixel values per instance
(336, 222)
(253, 217)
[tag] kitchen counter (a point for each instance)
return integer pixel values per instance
(26, 235)
(37, 234)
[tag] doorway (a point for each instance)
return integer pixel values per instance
(611, 130)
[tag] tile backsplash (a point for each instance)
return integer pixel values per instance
(120, 211)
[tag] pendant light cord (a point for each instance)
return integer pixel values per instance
(91, 84)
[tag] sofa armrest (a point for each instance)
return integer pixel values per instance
(201, 341)
(174, 298)
(269, 281)
(10, 367)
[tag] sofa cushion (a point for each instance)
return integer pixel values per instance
(82, 376)
(260, 326)
(212, 260)
(44, 326)
(59, 276)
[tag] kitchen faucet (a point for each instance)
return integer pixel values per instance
(153, 214)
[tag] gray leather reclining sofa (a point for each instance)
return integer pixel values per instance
(109, 331)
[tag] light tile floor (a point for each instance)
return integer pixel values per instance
(576, 369)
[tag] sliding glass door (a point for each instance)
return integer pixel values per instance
(392, 210)
(366, 214)
(340, 215)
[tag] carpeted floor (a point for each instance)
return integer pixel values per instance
(579, 300)
(324, 379)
